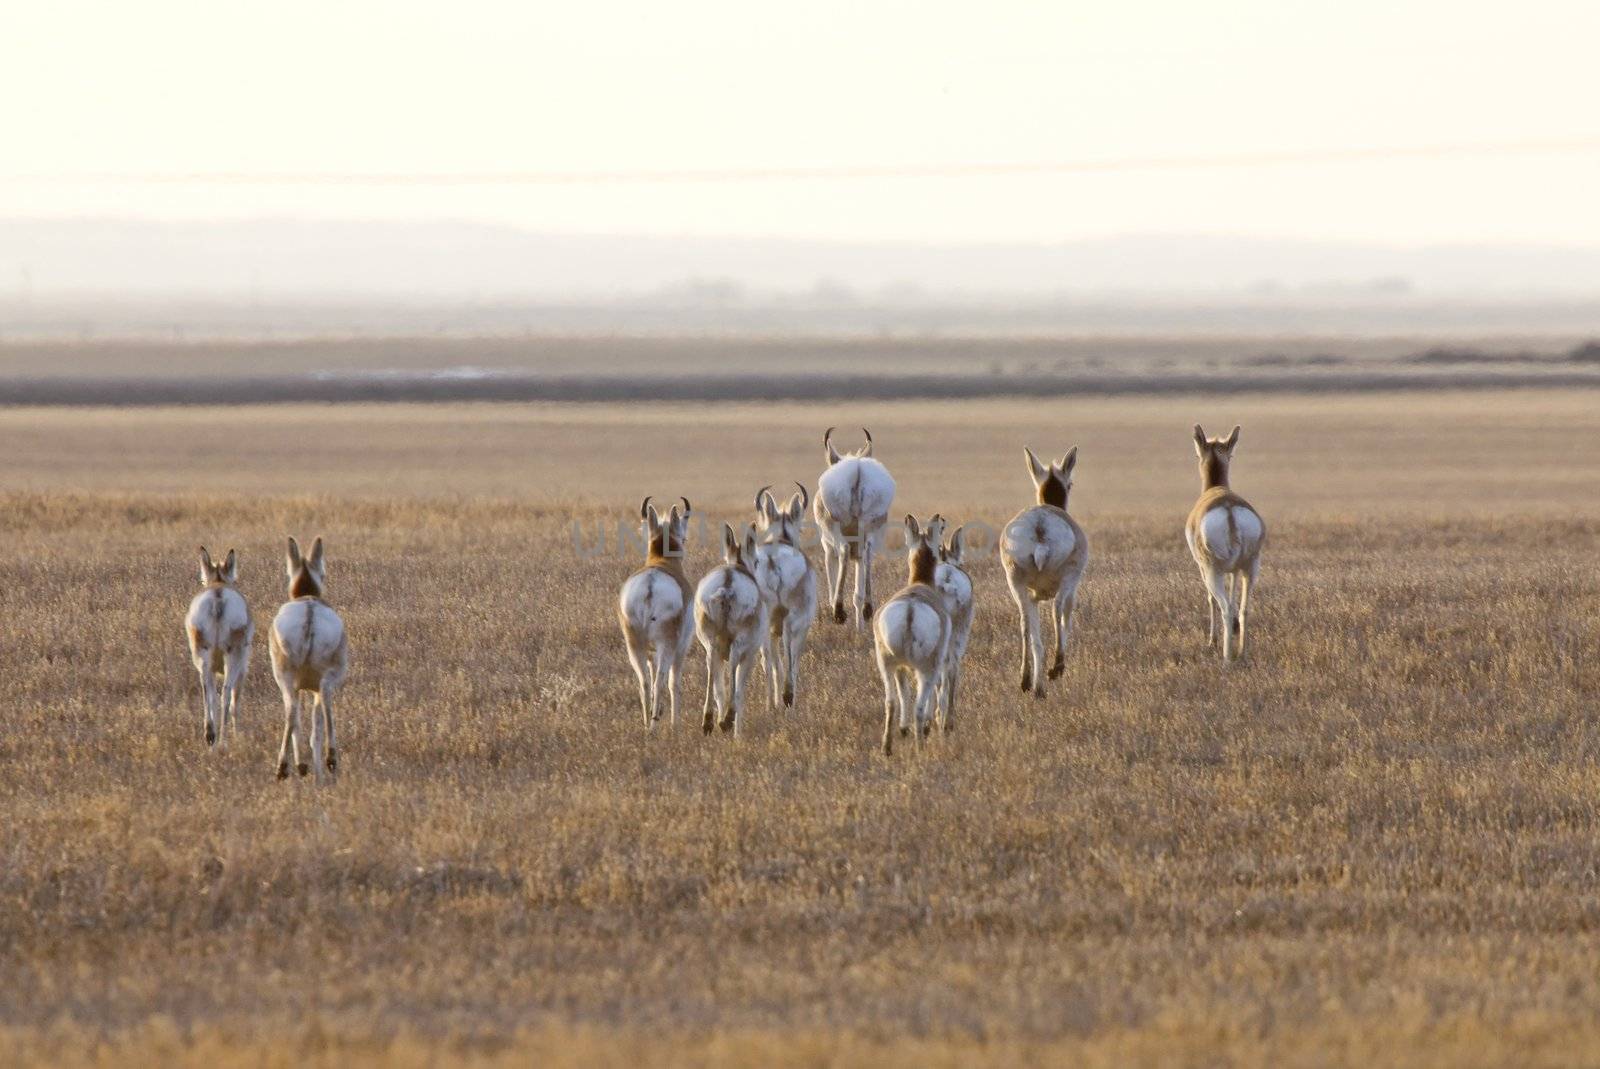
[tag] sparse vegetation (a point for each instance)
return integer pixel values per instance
(1374, 841)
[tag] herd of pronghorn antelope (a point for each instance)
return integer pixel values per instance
(309, 654)
(761, 601)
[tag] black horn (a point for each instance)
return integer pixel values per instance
(805, 498)
(644, 506)
(687, 508)
(868, 435)
(759, 492)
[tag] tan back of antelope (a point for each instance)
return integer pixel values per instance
(310, 655)
(1226, 536)
(654, 610)
(220, 632)
(1044, 553)
(911, 637)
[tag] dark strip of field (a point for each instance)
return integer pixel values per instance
(103, 391)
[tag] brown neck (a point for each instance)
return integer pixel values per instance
(303, 585)
(1053, 492)
(923, 562)
(1213, 472)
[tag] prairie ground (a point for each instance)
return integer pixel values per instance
(1377, 840)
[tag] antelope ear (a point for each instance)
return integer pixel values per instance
(316, 554)
(958, 545)
(730, 541)
(205, 565)
(1035, 469)
(769, 508)
(1233, 437)
(913, 530)
(652, 517)
(295, 559)
(797, 508)
(1069, 461)
(1199, 440)
(748, 550)
(231, 566)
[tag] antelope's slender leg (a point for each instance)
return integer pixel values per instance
(833, 559)
(330, 759)
(1219, 593)
(288, 734)
(709, 720)
(639, 658)
(208, 695)
(1025, 606)
(890, 691)
(658, 683)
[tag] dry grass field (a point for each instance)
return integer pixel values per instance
(1375, 842)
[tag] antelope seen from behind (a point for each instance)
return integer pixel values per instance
(951, 579)
(730, 615)
(309, 657)
(1225, 535)
(852, 509)
(654, 609)
(220, 633)
(1044, 552)
(791, 585)
(912, 637)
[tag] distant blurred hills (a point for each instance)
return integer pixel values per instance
(273, 259)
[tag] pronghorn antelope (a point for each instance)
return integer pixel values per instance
(654, 611)
(310, 655)
(791, 585)
(952, 580)
(1044, 552)
(220, 633)
(1225, 535)
(912, 637)
(852, 508)
(730, 615)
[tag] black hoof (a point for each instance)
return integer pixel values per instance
(1027, 683)
(788, 699)
(866, 611)
(1039, 693)
(926, 728)
(888, 748)
(839, 616)
(726, 725)
(333, 761)
(904, 732)
(1056, 670)
(303, 768)
(283, 771)
(707, 725)
(211, 735)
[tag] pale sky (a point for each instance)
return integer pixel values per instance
(166, 87)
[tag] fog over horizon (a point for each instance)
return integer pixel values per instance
(308, 259)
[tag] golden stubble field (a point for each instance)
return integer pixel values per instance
(1376, 841)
